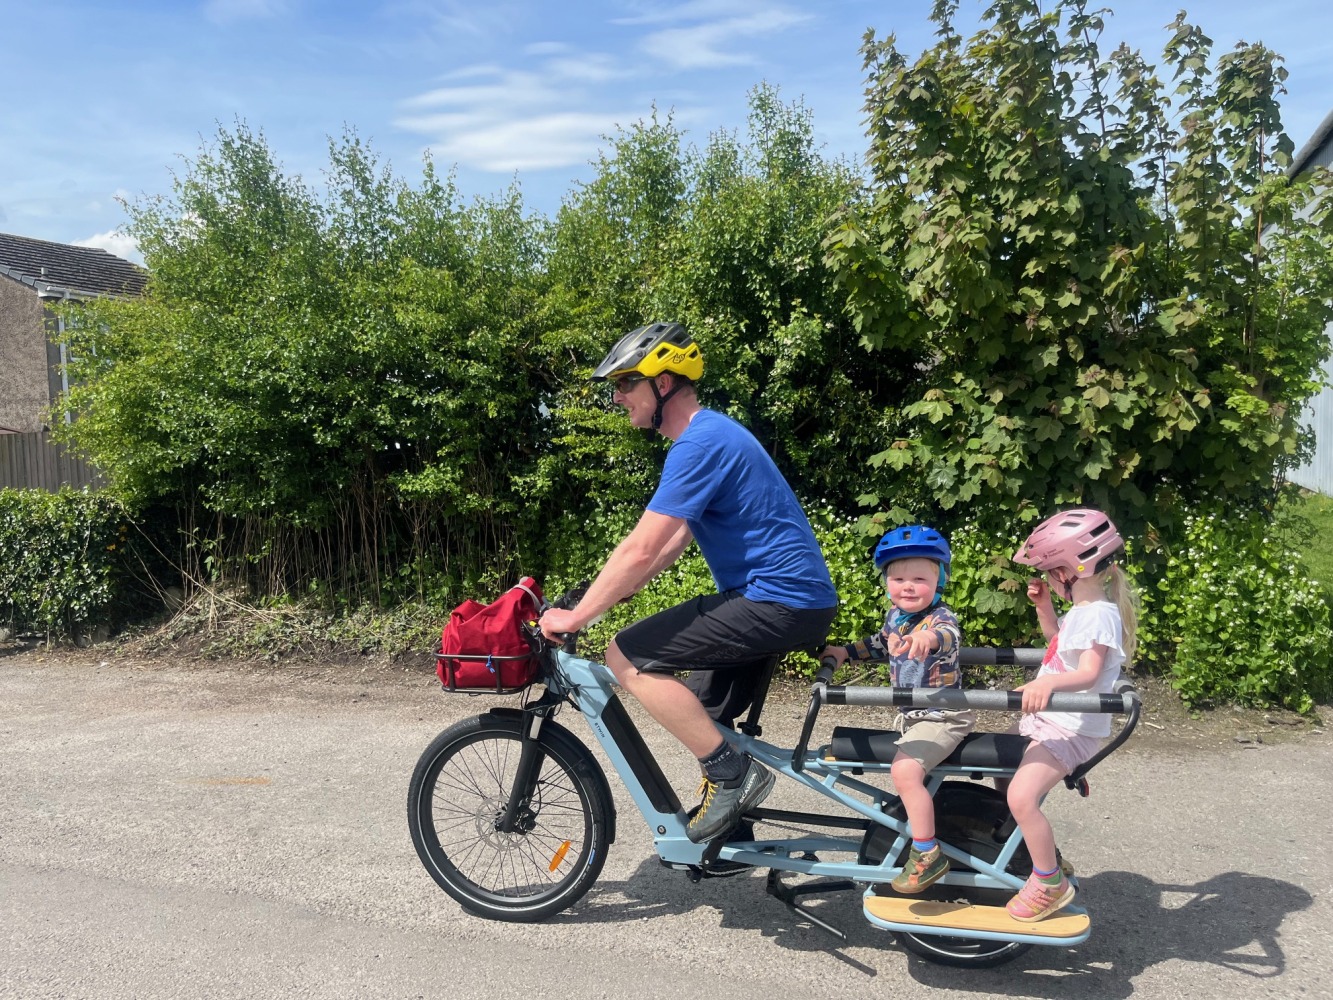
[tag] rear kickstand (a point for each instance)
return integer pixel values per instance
(790, 894)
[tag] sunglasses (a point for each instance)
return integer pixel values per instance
(627, 382)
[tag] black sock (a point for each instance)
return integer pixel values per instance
(724, 765)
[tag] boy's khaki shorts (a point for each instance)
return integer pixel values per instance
(929, 742)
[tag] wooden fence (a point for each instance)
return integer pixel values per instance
(34, 462)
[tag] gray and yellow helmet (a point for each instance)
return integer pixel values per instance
(651, 350)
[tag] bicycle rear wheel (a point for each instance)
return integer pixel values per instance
(459, 791)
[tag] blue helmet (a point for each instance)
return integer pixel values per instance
(915, 541)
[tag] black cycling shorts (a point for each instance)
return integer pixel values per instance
(726, 640)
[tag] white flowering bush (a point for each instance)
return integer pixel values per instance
(1241, 618)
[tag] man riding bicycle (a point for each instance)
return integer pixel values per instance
(719, 487)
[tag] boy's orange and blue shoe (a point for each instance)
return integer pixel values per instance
(923, 869)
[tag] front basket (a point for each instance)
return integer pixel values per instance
(486, 673)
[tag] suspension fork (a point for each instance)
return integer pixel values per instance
(530, 761)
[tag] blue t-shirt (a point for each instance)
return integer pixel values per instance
(746, 519)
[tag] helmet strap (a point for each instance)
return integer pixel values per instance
(662, 400)
(1065, 588)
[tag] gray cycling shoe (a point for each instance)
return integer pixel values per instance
(723, 804)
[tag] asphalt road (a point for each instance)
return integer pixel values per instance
(195, 831)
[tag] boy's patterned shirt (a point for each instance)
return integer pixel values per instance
(939, 669)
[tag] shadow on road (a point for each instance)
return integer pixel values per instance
(1230, 921)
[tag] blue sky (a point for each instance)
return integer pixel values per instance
(105, 98)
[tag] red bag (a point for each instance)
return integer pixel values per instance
(483, 646)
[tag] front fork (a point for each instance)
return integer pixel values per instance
(518, 807)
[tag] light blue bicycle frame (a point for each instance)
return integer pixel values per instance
(591, 686)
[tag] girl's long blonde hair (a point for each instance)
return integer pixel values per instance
(1122, 593)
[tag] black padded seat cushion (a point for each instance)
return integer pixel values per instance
(977, 749)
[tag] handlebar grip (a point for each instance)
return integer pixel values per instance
(827, 666)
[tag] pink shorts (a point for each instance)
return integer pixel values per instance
(1069, 749)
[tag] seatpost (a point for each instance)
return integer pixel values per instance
(751, 727)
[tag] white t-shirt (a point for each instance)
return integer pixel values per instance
(1083, 626)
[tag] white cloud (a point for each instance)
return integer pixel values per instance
(114, 242)
(505, 120)
(556, 109)
(532, 143)
(510, 90)
(545, 49)
(593, 68)
(703, 46)
(694, 10)
(451, 18)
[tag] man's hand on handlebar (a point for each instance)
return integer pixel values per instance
(556, 623)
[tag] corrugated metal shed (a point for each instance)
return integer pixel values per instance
(1317, 474)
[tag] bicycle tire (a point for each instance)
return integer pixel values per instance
(461, 785)
(966, 815)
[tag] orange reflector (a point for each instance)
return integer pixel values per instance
(559, 856)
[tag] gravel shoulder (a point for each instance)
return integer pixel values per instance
(173, 826)
(1168, 727)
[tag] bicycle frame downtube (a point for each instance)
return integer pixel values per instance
(591, 688)
(620, 727)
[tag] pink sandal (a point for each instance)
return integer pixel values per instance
(1037, 900)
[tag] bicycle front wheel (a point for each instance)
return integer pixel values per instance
(459, 792)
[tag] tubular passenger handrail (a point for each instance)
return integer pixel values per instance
(1125, 700)
(956, 699)
(1000, 656)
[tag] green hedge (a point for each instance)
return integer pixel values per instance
(1233, 617)
(1242, 617)
(59, 557)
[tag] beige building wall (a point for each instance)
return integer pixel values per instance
(24, 387)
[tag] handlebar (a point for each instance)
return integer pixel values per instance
(1000, 656)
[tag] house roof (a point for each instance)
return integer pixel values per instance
(57, 270)
(1311, 149)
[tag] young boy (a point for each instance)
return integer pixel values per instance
(920, 639)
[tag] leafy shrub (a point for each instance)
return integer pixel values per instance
(993, 611)
(1245, 622)
(987, 590)
(59, 557)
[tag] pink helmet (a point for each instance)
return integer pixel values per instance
(1082, 540)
